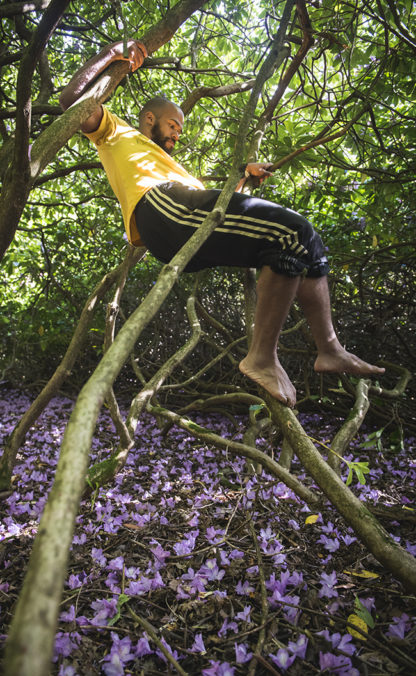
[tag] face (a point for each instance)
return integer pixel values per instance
(167, 128)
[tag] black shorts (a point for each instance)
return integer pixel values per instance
(254, 233)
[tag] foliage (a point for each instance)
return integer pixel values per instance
(358, 189)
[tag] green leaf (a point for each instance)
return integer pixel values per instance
(360, 468)
(256, 408)
(363, 613)
(122, 599)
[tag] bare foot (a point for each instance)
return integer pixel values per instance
(272, 377)
(341, 361)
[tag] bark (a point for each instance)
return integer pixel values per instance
(18, 435)
(30, 643)
(393, 557)
(286, 454)
(17, 182)
(214, 93)
(351, 426)
(254, 430)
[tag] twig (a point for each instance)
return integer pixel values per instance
(151, 632)
(266, 665)
(264, 603)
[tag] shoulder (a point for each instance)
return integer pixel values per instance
(108, 126)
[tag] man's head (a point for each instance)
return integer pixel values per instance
(162, 122)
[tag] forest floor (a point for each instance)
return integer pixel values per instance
(221, 562)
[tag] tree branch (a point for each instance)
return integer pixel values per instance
(214, 92)
(15, 8)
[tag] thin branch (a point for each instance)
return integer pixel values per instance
(214, 92)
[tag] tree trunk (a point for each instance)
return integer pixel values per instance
(17, 181)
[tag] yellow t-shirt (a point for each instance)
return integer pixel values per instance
(134, 164)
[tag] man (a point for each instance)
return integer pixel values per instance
(162, 205)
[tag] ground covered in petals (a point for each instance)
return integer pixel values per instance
(233, 572)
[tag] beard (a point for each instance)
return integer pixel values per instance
(159, 139)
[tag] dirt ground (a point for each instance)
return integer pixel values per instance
(190, 557)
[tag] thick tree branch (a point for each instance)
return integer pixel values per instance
(47, 25)
(240, 449)
(16, 8)
(349, 429)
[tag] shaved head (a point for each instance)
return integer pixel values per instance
(157, 106)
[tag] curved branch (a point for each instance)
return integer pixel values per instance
(401, 384)
(18, 8)
(349, 429)
(220, 399)
(237, 448)
(214, 93)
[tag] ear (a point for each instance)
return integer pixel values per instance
(150, 118)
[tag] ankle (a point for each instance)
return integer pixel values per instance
(330, 347)
(260, 358)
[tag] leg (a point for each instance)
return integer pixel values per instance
(313, 296)
(275, 295)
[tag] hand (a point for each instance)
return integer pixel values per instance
(137, 53)
(259, 169)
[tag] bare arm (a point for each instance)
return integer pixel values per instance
(94, 67)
